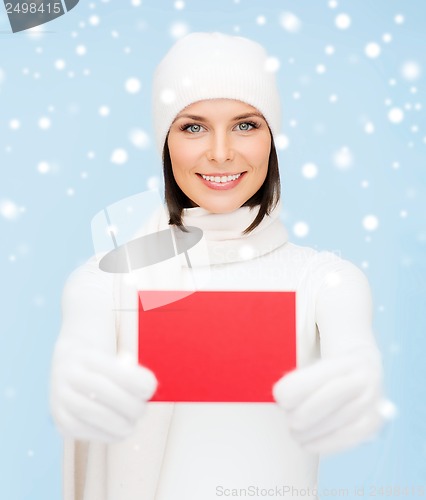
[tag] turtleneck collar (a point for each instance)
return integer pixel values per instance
(223, 233)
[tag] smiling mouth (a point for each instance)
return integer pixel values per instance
(221, 178)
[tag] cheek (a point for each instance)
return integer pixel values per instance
(181, 156)
(258, 154)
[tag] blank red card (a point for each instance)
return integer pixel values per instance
(219, 346)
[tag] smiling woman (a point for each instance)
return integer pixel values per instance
(216, 111)
(219, 153)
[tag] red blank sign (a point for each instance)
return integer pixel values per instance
(219, 346)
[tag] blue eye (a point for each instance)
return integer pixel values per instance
(189, 126)
(250, 124)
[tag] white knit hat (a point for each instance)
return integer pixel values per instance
(213, 65)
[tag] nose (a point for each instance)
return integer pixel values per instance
(220, 148)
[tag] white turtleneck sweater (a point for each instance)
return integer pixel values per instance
(195, 451)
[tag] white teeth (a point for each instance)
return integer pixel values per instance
(224, 178)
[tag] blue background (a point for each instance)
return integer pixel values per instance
(45, 217)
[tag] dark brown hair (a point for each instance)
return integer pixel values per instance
(267, 195)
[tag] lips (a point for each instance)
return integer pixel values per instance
(220, 178)
(221, 181)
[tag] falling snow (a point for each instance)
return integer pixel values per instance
(119, 156)
(343, 158)
(410, 70)
(104, 111)
(369, 128)
(139, 138)
(309, 170)
(9, 210)
(179, 30)
(272, 64)
(132, 85)
(43, 167)
(372, 50)
(290, 22)
(301, 229)
(343, 21)
(282, 141)
(44, 123)
(370, 222)
(82, 124)
(14, 124)
(80, 50)
(153, 183)
(396, 115)
(60, 64)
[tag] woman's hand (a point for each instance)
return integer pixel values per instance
(97, 396)
(335, 403)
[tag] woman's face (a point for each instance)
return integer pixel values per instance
(219, 149)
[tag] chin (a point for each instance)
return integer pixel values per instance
(216, 208)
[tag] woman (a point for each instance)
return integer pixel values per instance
(216, 112)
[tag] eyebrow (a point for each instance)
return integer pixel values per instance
(203, 119)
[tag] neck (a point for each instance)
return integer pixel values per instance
(224, 235)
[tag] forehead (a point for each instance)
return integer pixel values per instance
(218, 107)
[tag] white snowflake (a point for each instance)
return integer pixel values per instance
(139, 138)
(372, 50)
(119, 156)
(342, 21)
(14, 124)
(396, 115)
(60, 64)
(44, 122)
(301, 229)
(281, 141)
(81, 50)
(411, 70)
(370, 222)
(178, 30)
(369, 128)
(153, 183)
(94, 20)
(247, 252)
(43, 167)
(132, 85)
(343, 158)
(104, 110)
(167, 96)
(309, 170)
(9, 210)
(290, 22)
(272, 64)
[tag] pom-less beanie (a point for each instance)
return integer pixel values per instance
(213, 65)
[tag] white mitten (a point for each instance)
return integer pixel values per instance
(335, 403)
(96, 396)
